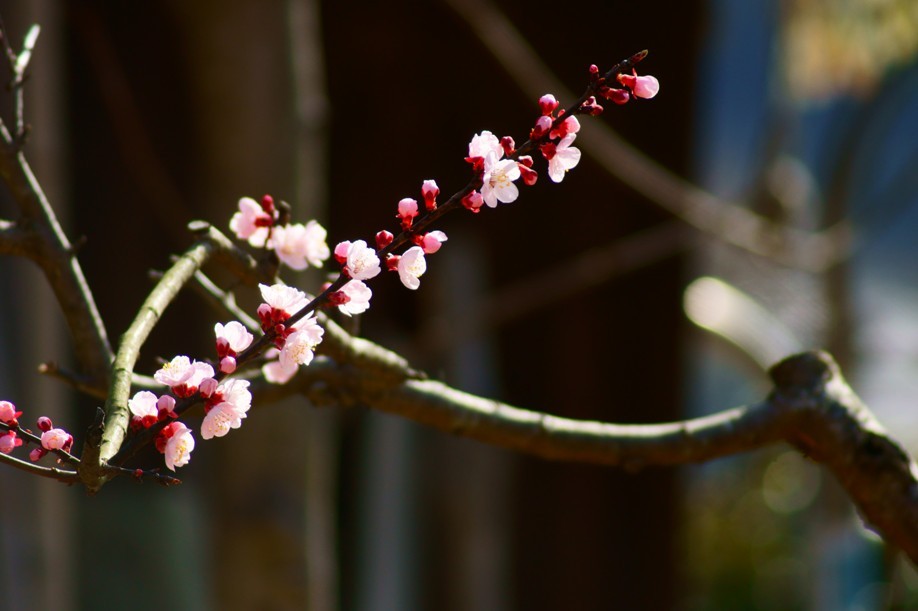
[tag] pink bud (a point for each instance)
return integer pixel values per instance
(430, 191)
(165, 407)
(508, 145)
(37, 453)
(209, 385)
(592, 107)
(338, 298)
(408, 207)
(473, 201)
(594, 73)
(392, 263)
(227, 366)
(542, 126)
(431, 242)
(641, 86)
(548, 104)
(267, 204)
(383, 239)
(44, 424)
(407, 210)
(617, 96)
(528, 175)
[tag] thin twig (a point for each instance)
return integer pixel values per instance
(61, 475)
(717, 218)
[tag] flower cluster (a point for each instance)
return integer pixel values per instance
(13, 436)
(287, 315)
(296, 246)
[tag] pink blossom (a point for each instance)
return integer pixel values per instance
(251, 222)
(358, 298)
(9, 442)
(361, 261)
(564, 158)
(8, 413)
(229, 411)
(641, 86)
(497, 183)
(56, 439)
(176, 443)
(411, 266)
(299, 246)
(432, 241)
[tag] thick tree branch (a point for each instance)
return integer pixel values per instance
(38, 236)
(811, 407)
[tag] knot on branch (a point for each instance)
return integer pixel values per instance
(808, 371)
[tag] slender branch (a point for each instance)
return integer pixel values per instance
(717, 218)
(96, 453)
(43, 241)
(560, 281)
(62, 475)
(224, 301)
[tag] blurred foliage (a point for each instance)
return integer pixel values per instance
(845, 46)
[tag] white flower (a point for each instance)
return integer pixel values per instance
(486, 145)
(228, 413)
(284, 298)
(565, 158)
(277, 373)
(362, 262)
(178, 447)
(299, 345)
(144, 404)
(359, 295)
(497, 182)
(232, 338)
(411, 266)
(183, 376)
(174, 372)
(299, 246)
